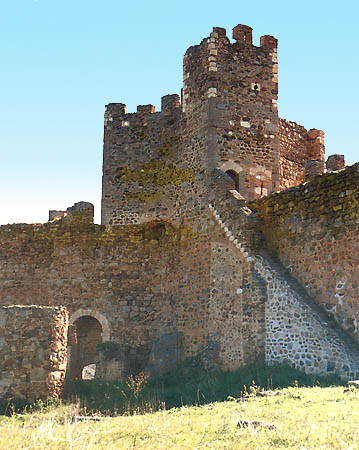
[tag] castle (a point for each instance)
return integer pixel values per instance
(224, 235)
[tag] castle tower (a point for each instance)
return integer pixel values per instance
(139, 174)
(157, 165)
(230, 103)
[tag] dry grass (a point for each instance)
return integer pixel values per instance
(304, 418)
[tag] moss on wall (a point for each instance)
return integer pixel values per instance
(167, 149)
(42, 240)
(332, 197)
(155, 173)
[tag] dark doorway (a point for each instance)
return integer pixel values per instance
(85, 335)
(235, 177)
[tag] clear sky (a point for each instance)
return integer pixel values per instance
(62, 61)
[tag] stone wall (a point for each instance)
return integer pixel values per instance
(313, 229)
(146, 173)
(238, 295)
(140, 282)
(296, 330)
(296, 147)
(173, 271)
(33, 343)
(156, 165)
(236, 317)
(159, 291)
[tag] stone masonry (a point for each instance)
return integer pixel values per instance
(33, 342)
(224, 235)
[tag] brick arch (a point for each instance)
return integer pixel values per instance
(231, 165)
(235, 171)
(106, 331)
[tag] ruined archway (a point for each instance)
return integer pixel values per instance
(87, 329)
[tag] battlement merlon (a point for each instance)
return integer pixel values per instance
(170, 103)
(299, 148)
(316, 147)
(243, 33)
(145, 109)
(268, 41)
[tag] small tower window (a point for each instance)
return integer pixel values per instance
(255, 87)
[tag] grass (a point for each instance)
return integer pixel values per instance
(304, 418)
(188, 385)
(191, 408)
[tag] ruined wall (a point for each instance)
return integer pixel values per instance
(160, 292)
(313, 228)
(33, 344)
(296, 147)
(146, 281)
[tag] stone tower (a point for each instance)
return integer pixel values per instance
(230, 98)
(156, 165)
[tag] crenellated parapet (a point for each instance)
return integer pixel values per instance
(203, 251)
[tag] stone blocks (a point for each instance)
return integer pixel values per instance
(335, 162)
(33, 344)
(242, 33)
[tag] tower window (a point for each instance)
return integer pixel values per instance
(255, 87)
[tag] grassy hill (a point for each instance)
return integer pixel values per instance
(192, 408)
(297, 418)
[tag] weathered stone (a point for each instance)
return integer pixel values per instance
(26, 375)
(181, 265)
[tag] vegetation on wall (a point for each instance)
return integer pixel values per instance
(155, 173)
(167, 149)
(42, 240)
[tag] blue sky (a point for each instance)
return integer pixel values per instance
(62, 61)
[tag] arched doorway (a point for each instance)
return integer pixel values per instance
(235, 177)
(87, 329)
